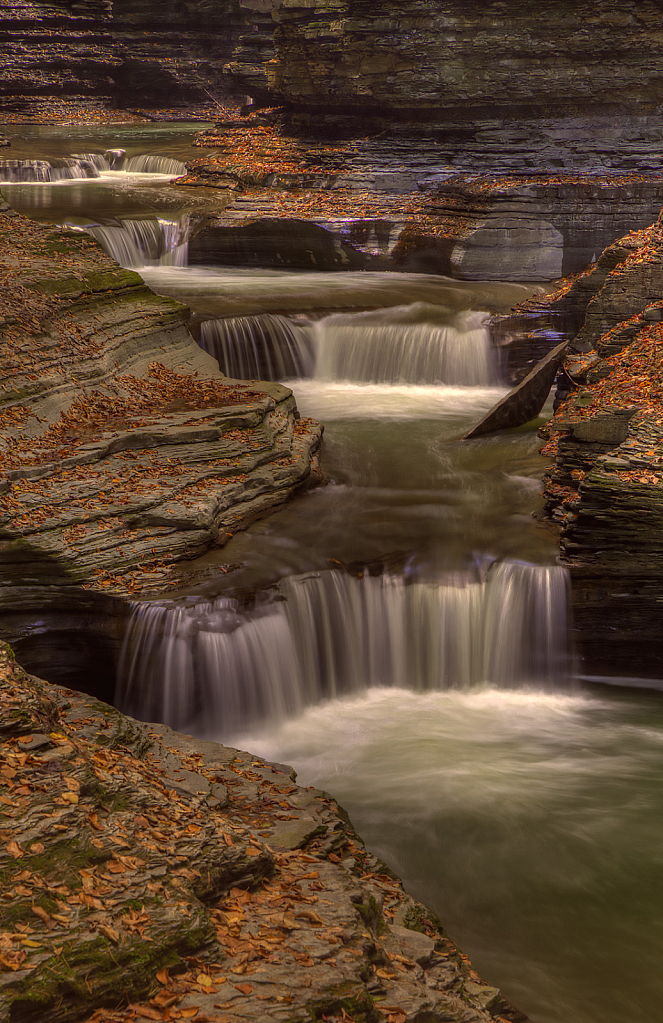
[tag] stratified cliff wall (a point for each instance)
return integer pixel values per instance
(436, 57)
(604, 491)
(117, 52)
(414, 59)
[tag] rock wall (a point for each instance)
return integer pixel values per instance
(528, 230)
(436, 57)
(116, 52)
(604, 492)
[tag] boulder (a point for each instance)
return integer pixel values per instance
(524, 401)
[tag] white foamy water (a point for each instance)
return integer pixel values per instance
(338, 401)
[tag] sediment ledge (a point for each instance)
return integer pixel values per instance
(123, 448)
(148, 875)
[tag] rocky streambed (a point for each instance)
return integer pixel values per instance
(147, 875)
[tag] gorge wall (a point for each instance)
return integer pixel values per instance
(430, 59)
(441, 58)
(603, 492)
(116, 52)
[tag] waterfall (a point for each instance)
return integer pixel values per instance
(146, 164)
(146, 242)
(413, 344)
(66, 169)
(267, 347)
(96, 159)
(86, 165)
(215, 668)
(406, 345)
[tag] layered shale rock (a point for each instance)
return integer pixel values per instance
(432, 56)
(116, 53)
(529, 229)
(149, 875)
(605, 490)
(123, 448)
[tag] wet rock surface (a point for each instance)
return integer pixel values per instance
(402, 198)
(525, 401)
(149, 875)
(124, 449)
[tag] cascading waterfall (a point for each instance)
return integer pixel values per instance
(405, 345)
(86, 165)
(97, 160)
(267, 347)
(414, 344)
(146, 164)
(145, 242)
(214, 668)
(44, 171)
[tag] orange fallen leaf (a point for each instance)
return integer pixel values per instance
(14, 850)
(110, 933)
(246, 989)
(41, 913)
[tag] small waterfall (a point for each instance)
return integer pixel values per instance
(146, 242)
(66, 169)
(97, 160)
(267, 347)
(406, 345)
(216, 669)
(146, 164)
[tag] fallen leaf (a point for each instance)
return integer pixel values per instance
(246, 989)
(41, 913)
(14, 850)
(110, 933)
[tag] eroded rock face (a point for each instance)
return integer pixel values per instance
(123, 52)
(605, 489)
(434, 56)
(123, 448)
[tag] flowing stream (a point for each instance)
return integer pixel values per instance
(399, 635)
